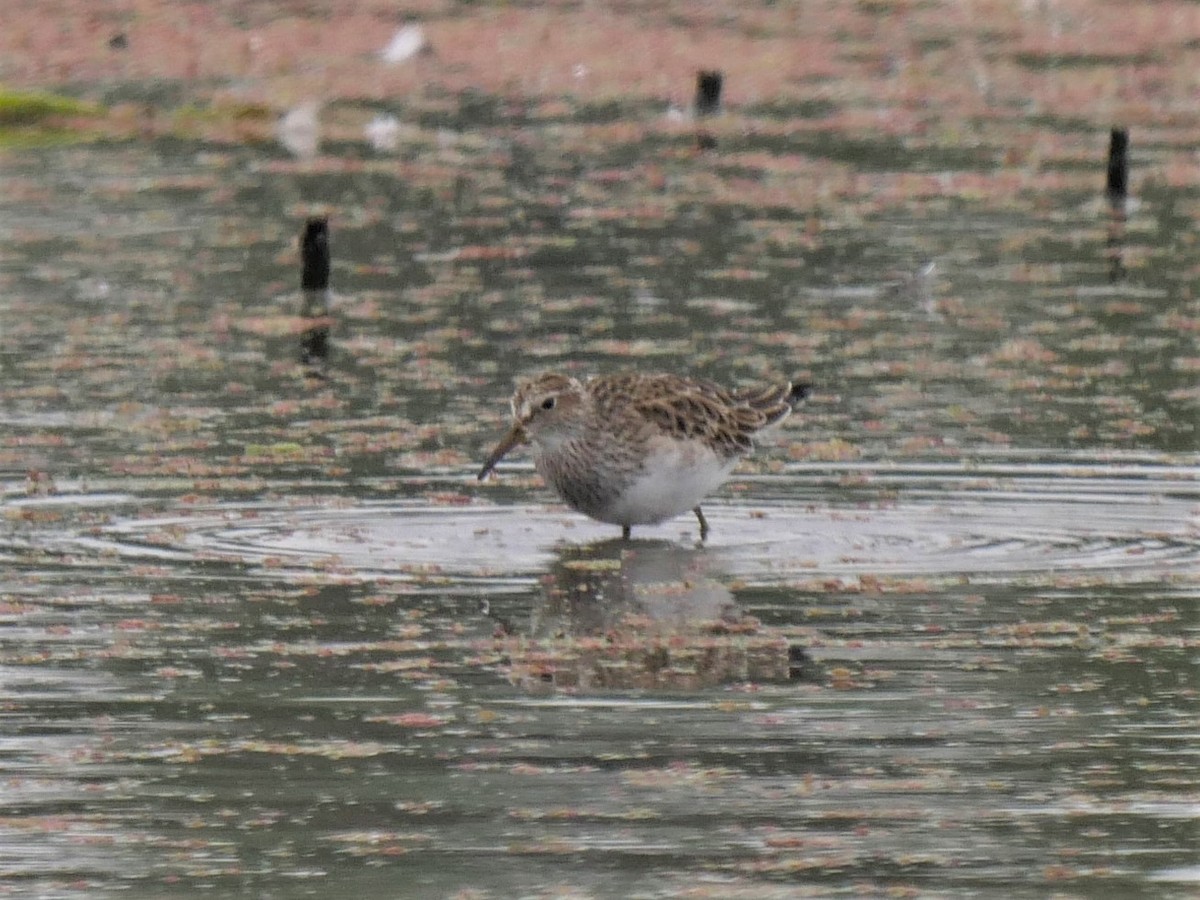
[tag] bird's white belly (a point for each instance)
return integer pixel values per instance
(676, 477)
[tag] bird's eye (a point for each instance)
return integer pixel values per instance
(548, 403)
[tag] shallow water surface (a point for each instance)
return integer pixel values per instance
(262, 633)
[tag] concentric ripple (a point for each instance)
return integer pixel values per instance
(1140, 522)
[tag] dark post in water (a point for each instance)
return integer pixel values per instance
(1116, 188)
(708, 103)
(1118, 165)
(314, 285)
(708, 92)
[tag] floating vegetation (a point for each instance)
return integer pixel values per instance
(40, 118)
(40, 107)
(260, 629)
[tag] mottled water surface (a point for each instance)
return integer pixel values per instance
(263, 634)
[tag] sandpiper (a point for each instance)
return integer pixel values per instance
(638, 449)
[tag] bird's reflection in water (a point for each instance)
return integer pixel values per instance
(644, 614)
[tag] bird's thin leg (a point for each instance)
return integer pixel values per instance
(703, 522)
(626, 531)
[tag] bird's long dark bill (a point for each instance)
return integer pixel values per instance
(515, 436)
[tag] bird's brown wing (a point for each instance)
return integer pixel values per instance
(692, 409)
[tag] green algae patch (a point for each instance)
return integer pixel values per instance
(25, 108)
(39, 119)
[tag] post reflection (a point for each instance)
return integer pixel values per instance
(1114, 245)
